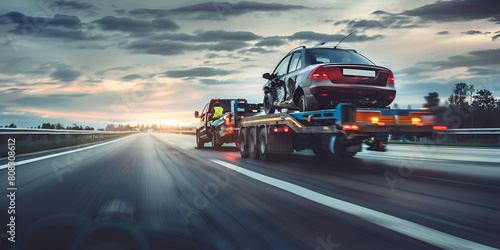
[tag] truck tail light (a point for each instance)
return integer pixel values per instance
(439, 127)
(227, 121)
(350, 127)
(279, 130)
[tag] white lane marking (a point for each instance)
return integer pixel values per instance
(58, 154)
(182, 147)
(401, 157)
(408, 228)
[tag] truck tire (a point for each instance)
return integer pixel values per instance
(268, 104)
(199, 143)
(252, 143)
(263, 146)
(244, 143)
(215, 145)
(321, 153)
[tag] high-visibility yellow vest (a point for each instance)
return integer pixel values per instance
(218, 111)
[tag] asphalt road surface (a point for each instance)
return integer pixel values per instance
(160, 185)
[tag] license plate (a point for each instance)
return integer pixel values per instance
(358, 72)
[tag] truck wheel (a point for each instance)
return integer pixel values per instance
(263, 146)
(199, 143)
(302, 103)
(243, 143)
(215, 145)
(252, 143)
(268, 104)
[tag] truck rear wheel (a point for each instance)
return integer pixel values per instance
(263, 146)
(215, 145)
(252, 143)
(243, 143)
(199, 143)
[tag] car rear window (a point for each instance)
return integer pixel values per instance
(318, 56)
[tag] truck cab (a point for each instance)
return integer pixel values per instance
(218, 130)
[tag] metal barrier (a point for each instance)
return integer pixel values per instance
(30, 140)
(489, 136)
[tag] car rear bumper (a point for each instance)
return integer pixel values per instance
(328, 95)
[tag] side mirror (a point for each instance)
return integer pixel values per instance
(196, 114)
(267, 76)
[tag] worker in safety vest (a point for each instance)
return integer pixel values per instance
(217, 110)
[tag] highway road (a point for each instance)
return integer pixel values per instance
(165, 192)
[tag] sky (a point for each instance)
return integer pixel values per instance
(99, 62)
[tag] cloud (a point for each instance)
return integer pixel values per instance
(457, 10)
(472, 32)
(198, 72)
(126, 24)
(227, 46)
(65, 73)
(474, 58)
(165, 48)
(216, 10)
(311, 36)
(382, 20)
(216, 82)
(495, 38)
(103, 72)
(256, 50)
(443, 32)
(273, 41)
(208, 36)
(131, 77)
(46, 101)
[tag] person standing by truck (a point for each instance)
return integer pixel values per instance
(218, 110)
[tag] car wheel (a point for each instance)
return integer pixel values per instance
(215, 145)
(268, 104)
(302, 104)
(252, 143)
(199, 143)
(243, 144)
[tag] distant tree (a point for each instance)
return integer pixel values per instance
(59, 126)
(432, 100)
(409, 106)
(38, 127)
(88, 128)
(12, 125)
(484, 99)
(461, 94)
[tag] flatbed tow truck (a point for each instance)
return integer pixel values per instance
(340, 131)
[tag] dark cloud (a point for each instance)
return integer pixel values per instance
(165, 48)
(227, 46)
(474, 58)
(272, 41)
(46, 101)
(256, 50)
(217, 10)
(211, 55)
(457, 10)
(14, 90)
(472, 32)
(383, 20)
(198, 72)
(311, 36)
(443, 32)
(208, 36)
(131, 77)
(65, 73)
(126, 24)
(63, 27)
(103, 72)
(72, 5)
(495, 38)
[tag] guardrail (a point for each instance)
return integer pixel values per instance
(487, 136)
(186, 132)
(30, 140)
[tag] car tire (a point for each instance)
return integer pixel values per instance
(215, 145)
(268, 104)
(252, 143)
(321, 153)
(302, 104)
(263, 146)
(199, 143)
(243, 143)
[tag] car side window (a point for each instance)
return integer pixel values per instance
(295, 62)
(282, 68)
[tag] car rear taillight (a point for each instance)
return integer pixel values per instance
(390, 79)
(324, 73)
(227, 121)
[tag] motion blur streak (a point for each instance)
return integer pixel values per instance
(411, 229)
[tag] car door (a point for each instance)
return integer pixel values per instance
(281, 71)
(203, 122)
(291, 82)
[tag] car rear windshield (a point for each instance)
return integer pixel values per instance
(318, 56)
